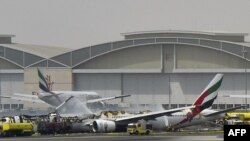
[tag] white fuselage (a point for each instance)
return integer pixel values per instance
(165, 122)
(173, 121)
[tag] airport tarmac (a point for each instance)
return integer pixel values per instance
(119, 138)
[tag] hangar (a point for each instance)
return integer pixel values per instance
(155, 67)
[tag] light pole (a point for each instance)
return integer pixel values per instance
(244, 55)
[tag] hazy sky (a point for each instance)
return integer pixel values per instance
(80, 23)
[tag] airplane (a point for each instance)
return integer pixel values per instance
(205, 116)
(177, 117)
(165, 119)
(57, 98)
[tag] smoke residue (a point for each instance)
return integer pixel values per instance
(74, 107)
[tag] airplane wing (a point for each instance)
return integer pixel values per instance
(151, 115)
(107, 98)
(24, 97)
(223, 111)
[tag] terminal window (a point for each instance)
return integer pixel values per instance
(173, 105)
(14, 106)
(20, 106)
(6, 106)
(222, 106)
(230, 105)
(214, 106)
(237, 105)
(182, 105)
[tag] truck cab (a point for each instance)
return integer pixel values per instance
(139, 128)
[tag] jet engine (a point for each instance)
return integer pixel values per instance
(101, 126)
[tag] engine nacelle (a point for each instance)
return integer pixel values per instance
(101, 126)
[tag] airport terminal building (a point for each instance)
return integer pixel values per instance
(154, 67)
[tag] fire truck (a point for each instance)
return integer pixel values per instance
(139, 128)
(15, 126)
(237, 118)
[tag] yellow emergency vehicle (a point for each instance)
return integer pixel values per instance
(139, 128)
(15, 126)
(236, 118)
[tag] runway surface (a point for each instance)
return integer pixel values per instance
(117, 138)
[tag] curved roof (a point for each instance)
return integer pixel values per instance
(44, 56)
(79, 56)
(24, 55)
(38, 50)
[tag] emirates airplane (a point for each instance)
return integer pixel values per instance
(59, 98)
(173, 118)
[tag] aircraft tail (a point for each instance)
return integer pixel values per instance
(209, 94)
(206, 98)
(43, 85)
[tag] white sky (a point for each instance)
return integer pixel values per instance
(80, 23)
